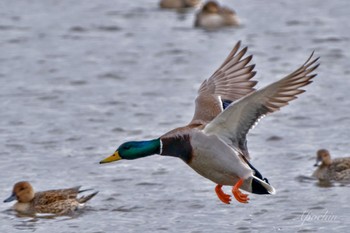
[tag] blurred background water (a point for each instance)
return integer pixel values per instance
(77, 78)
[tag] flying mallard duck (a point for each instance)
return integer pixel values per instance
(212, 15)
(214, 143)
(58, 202)
(331, 169)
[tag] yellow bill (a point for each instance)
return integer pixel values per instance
(112, 158)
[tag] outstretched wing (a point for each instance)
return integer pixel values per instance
(230, 82)
(233, 124)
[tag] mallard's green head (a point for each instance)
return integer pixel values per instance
(134, 150)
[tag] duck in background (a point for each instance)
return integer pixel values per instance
(212, 16)
(178, 4)
(331, 169)
(56, 202)
(214, 142)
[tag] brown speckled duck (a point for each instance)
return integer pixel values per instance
(214, 142)
(57, 202)
(331, 169)
(212, 16)
(178, 4)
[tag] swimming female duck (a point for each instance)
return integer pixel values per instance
(178, 4)
(212, 16)
(58, 202)
(214, 142)
(331, 169)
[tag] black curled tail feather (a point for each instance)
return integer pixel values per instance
(259, 186)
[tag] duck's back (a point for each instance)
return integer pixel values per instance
(50, 196)
(229, 16)
(178, 4)
(341, 164)
(56, 201)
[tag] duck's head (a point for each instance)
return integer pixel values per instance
(324, 157)
(134, 150)
(22, 192)
(211, 7)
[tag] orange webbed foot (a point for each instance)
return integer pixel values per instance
(225, 198)
(241, 197)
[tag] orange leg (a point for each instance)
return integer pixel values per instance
(225, 198)
(241, 197)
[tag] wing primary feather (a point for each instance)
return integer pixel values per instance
(231, 81)
(239, 117)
